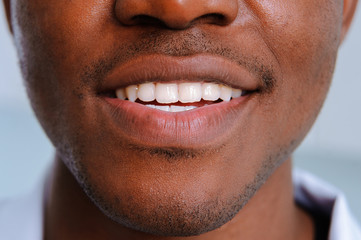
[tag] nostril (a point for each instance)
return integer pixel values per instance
(146, 20)
(211, 18)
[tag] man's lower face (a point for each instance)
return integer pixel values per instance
(172, 131)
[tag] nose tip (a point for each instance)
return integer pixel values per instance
(176, 14)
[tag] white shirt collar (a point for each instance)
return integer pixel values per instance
(317, 194)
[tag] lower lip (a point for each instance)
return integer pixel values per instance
(151, 127)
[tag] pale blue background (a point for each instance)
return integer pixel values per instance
(332, 149)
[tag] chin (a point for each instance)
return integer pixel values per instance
(169, 211)
(172, 216)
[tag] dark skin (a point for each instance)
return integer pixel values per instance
(230, 181)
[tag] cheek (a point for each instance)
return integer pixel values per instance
(301, 34)
(54, 33)
(304, 37)
(53, 43)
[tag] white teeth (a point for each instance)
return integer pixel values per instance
(150, 105)
(163, 108)
(190, 92)
(177, 108)
(191, 107)
(210, 91)
(121, 93)
(146, 92)
(174, 92)
(166, 93)
(171, 108)
(181, 108)
(131, 92)
(236, 93)
(226, 93)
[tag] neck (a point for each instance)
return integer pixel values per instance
(270, 214)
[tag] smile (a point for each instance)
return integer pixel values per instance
(178, 101)
(178, 97)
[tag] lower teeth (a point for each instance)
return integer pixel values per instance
(171, 108)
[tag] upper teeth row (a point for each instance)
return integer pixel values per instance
(174, 92)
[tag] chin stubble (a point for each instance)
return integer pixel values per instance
(175, 217)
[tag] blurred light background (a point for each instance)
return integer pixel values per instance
(332, 149)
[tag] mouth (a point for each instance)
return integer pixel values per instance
(177, 102)
(177, 96)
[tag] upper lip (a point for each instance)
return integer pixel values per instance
(163, 68)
